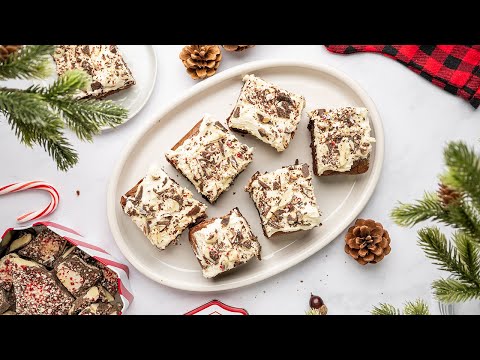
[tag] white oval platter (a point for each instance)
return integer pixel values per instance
(340, 198)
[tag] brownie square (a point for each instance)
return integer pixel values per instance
(220, 244)
(267, 112)
(76, 275)
(210, 157)
(104, 63)
(340, 140)
(285, 199)
(161, 208)
(44, 248)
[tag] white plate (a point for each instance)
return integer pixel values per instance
(340, 198)
(142, 62)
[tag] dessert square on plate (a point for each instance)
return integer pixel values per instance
(104, 63)
(161, 208)
(211, 157)
(220, 244)
(285, 199)
(267, 112)
(341, 141)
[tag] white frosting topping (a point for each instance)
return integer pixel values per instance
(267, 112)
(211, 159)
(224, 243)
(162, 209)
(285, 199)
(341, 137)
(104, 63)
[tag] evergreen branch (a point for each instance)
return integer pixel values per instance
(450, 291)
(469, 254)
(417, 307)
(421, 210)
(68, 84)
(463, 170)
(33, 61)
(385, 309)
(460, 215)
(443, 254)
(34, 123)
(87, 116)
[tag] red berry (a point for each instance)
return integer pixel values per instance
(316, 301)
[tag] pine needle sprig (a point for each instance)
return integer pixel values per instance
(451, 291)
(443, 253)
(38, 115)
(417, 307)
(31, 62)
(385, 309)
(460, 215)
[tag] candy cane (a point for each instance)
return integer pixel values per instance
(28, 185)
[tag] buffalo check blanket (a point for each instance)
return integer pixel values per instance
(454, 68)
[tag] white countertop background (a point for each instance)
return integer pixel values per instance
(418, 119)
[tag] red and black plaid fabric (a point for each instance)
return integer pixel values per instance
(455, 68)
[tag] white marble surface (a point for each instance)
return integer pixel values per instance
(418, 119)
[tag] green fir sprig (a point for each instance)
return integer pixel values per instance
(459, 256)
(417, 307)
(38, 115)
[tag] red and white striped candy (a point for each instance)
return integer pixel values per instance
(29, 185)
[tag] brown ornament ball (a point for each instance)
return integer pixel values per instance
(232, 48)
(201, 61)
(367, 242)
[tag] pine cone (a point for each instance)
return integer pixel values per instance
(236, 47)
(448, 195)
(7, 50)
(201, 61)
(367, 242)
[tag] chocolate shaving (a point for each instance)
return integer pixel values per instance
(86, 50)
(305, 171)
(284, 97)
(164, 181)
(260, 117)
(113, 49)
(276, 185)
(139, 194)
(214, 255)
(265, 186)
(262, 132)
(165, 222)
(225, 221)
(236, 113)
(247, 244)
(178, 199)
(195, 210)
(96, 85)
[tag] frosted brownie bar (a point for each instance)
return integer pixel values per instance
(210, 157)
(220, 244)
(285, 199)
(267, 112)
(341, 141)
(104, 63)
(161, 208)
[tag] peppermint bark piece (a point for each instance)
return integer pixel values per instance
(220, 244)
(44, 248)
(267, 112)
(161, 208)
(285, 199)
(36, 290)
